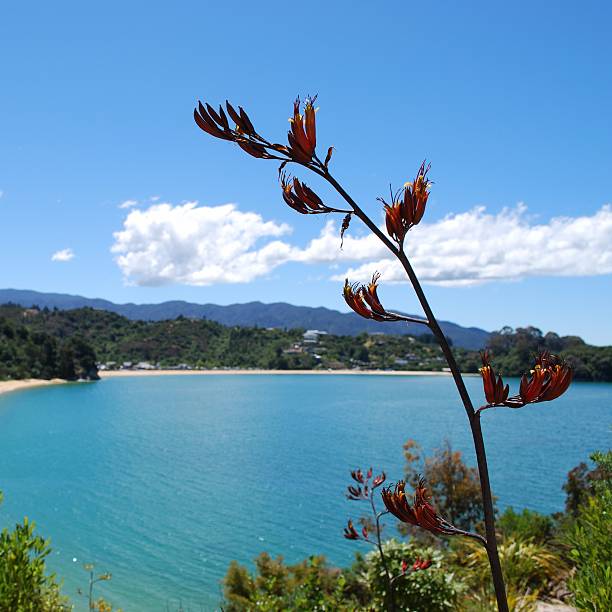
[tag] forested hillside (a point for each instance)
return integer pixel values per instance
(512, 349)
(67, 343)
(29, 353)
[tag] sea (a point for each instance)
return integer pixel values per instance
(163, 481)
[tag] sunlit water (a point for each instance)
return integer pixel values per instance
(163, 480)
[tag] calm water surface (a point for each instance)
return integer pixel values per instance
(163, 480)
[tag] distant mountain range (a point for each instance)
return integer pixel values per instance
(251, 314)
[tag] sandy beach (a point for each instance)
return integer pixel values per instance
(122, 373)
(6, 386)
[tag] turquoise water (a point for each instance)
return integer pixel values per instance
(163, 480)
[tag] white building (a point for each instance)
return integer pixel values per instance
(311, 336)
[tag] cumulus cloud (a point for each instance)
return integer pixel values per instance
(128, 204)
(476, 246)
(63, 255)
(198, 245)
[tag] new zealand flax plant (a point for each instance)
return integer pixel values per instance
(405, 209)
(364, 489)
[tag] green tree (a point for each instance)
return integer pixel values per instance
(435, 589)
(589, 537)
(307, 586)
(454, 486)
(25, 585)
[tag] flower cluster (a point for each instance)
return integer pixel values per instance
(302, 135)
(302, 198)
(363, 299)
(420, 513)
(217, 123)
(418, 565)
(363, 490)
(407, 206)
(356, 492)
(549, 379)
(234, 125)
(350, 533)
(421, 564)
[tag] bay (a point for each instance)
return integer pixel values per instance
(164, 480)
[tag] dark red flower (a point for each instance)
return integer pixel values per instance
(363, 299)
(421, 564)
(303, 133)
(421, 513)
(350, 533)
(378, 480)
(407, 206)
(549, 378)
(560, 378)
(302, 198)
(404, 566)
(355, 493)
(494, 389)
(237, 128)
(357, 476)
(213, 123)
(397, 503)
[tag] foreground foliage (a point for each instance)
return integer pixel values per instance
(314, 585)
(25, 585)
(528, 569)
(537, 553)
(589, 537)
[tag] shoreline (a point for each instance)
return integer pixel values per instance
(125, 373)
(8, 386)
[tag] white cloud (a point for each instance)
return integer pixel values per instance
(475, 247)
(197, 245)
(128, 204)
(63, 255)
(1, 193)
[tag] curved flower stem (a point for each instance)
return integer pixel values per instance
(474, 420)
(408, 319)
(383, 559)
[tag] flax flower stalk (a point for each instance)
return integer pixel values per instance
(406, 208)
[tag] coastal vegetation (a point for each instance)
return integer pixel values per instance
(560, 557)
(43, 343)
(564, 556)
(25, 583)
(32, 352)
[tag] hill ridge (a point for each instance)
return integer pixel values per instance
(248, 314)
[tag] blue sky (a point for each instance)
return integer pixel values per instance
(510, 103)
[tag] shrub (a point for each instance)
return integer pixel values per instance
(527, 525)
(528, 568)
(275, 587)
(24, 583)
(434, 589)
(590, 541)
